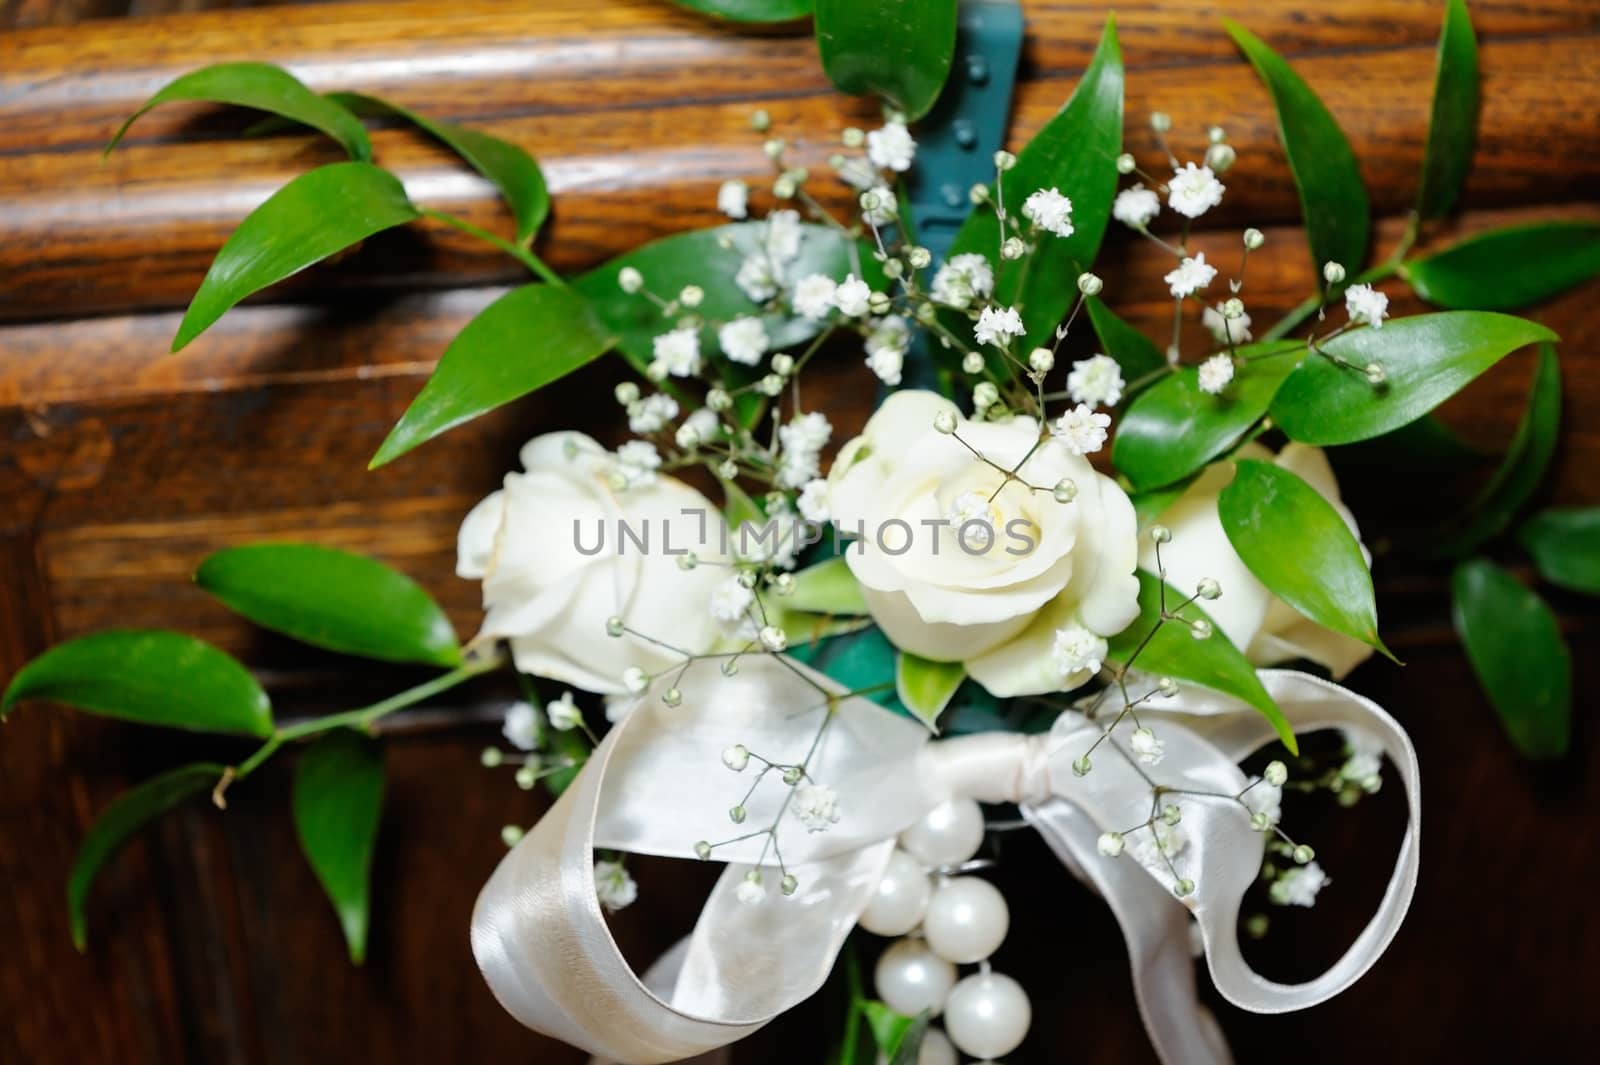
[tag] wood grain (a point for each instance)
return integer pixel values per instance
(122, 465)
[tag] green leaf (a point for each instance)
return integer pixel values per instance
(1333, 200)
(521, 342)
(571, 745)
(1565, 545)
(1520, 472)
(1549, 258)
(1174, 428)
(751, 10)
(128, 814)
(889, 1028)
(898, 50)
(1455, 115)
(827, 587)
(693, 258)
(1424, 447)
(332, 599)
(338, 798)
(926, 687)
(1136, 353)
(312, 217)
(1213, 663)
(1149, 506)
(862, 661)
(1516, 649)
(1075, 152)
(503, 164)
(150, 676)
(1296, 544)
(265, 88)
(1426, 359)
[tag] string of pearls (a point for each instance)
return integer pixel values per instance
(944, 921)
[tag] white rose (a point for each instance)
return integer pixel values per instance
(549, 591)
(1264, 627)
(1050, 565)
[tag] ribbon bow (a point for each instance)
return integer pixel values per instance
(655, 785)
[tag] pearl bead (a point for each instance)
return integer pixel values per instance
(911, 978)
(948, 836)
(987, 1015)
(936, 1049)
(901, 898)
(966, 921)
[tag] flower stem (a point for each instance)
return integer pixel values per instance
(525, 256)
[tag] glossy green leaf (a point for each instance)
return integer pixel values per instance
(751, 10)
(828, 587)
(1454, 124)
(265, 88)
(1075, 152)
(1148, 506)
(338, 799)
(128, 814)
(899, 1037)
(521, 342)
(1333, 200)
(1424, 447)
(862, 661)
(1296, 544)
(1515, 646)
(1137, 354)
(503, 164)
(710, 258)
(1426, 359)
(1213, 663)
(332, 599)
(1565, 545)
(317, 214)
(897, 50)
(1174, 428)
(1520, 472)
(1548, 258)
(150, 676)
(926, 687)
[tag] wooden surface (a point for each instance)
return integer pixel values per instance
(123, 465)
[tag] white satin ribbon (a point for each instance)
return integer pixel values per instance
(655, 785)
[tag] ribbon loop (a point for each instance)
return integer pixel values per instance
(655, 785)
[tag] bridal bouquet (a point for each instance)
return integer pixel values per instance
(1065, 576)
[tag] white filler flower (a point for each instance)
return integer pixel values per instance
(1082, 430)
(733, 199)
(564, 713)
(962, 280)
(521, 728)
(998, 326)
(817, 806)
(1366, 305)
(614, 887)
(1136, 206)
(1215, 373)
(1224, 329)
(891, 147)
(1298, 886)
(1191, 276)
(1193, 191)
(1050, 211)
(743, 340)
(1096, 381)
(677, 353)
(1077, 650)
(813, 296)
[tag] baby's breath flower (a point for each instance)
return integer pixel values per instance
(1254, 238)
(813, 296)
(691, 296)
(649, 415)
(750, 892)
(998, 326)
(1149, 749)
(891, 147)
(743, 340)
(1111, 844)
(730, 601)
(1221, 157)
(886, 348)
(972, 362)
(1049, 210)
(630, 280)
(1332, 272)
(733, 199)
(1136, 206)
(1215, 373)
(984, 396)
(851, 297)
(1191, 276)
(1077, 649)
(521, 727)
(1090, 284)
(1013, 248)
(564, 713)
(635, 680)
(817, 806)
(1096, 381)
(773, 638)
(1224, 329)
(615, 888)
(626, 393)
(856, 171)
(1194, 190)
(1298, 886)
(736, 757)
(784, 231)
(1265, 799)
(1126, 163)
(1042, 360)
(678, 352)
(1082, 429)
(757, 278)
(813, 501)
(1366, 305)
(637, 462)
(962, 280)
